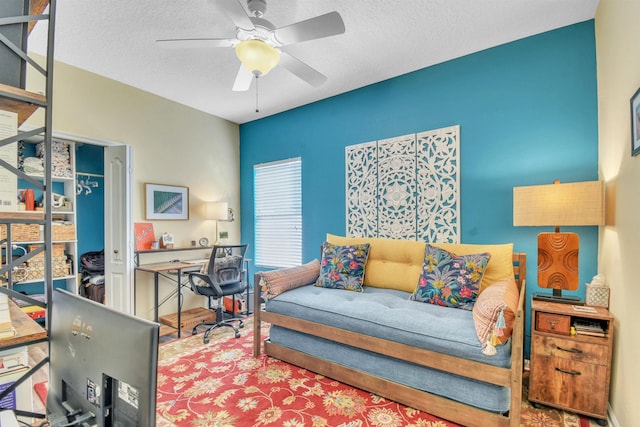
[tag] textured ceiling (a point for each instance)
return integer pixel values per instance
(383, 39)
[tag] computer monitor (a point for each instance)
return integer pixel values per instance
(103, 365)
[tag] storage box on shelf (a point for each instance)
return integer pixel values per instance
(61, 266)
(57, 250)
(32, 232)
(21, 232)
(61, 232)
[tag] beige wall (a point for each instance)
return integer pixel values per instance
(172, 144)
(617, 38)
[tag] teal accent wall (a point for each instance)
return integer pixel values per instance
(527, 112)
(90, 205)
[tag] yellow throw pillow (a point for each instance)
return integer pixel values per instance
(397, 264)
(392, 264)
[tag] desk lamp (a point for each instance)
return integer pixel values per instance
(571, 204)
(217, 211)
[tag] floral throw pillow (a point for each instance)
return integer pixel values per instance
(342, 267)
(450, 280)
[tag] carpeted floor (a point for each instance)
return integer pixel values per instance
(221, 384)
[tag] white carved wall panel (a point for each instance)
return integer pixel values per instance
(405, 187)
(362, 182)
(396, 187)
(438, 187)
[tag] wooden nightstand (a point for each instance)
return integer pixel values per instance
(568, 371)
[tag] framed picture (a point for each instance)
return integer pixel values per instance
(166, 201)
(635, 123)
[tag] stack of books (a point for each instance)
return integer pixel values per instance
(6, 327)
(35, 312)
(589, 327)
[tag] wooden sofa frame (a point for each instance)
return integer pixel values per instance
(430, 403)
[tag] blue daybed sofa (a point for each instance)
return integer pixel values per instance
(425, 356)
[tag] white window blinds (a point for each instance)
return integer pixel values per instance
(278, 213)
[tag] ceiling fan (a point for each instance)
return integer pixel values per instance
(260, 46)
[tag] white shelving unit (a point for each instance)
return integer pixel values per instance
(64, 237)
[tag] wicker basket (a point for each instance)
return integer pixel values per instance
(35, 267)
(21, 232)
(63, 232)
(597, 295)
(19, 273)
(61, 268)
(35, 272)
(57, 250)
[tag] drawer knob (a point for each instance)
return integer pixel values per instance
(570, 350)
(564, 371)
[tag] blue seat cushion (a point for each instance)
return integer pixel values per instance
(389, 314)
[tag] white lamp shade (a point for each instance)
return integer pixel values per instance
(216, 210)
(257, 56)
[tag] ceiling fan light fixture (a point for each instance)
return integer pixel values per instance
(257, 56)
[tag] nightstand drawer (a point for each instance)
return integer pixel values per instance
(570, 384)
(570, 349)
(554, 323)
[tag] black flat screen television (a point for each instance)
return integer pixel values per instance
(103, 365)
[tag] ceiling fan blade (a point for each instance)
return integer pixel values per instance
(196, 43)
(237, 14)
(302, 70)
(329, 24)
(243, 80)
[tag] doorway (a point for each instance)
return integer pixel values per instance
(103, 214)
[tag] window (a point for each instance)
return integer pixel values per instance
(278, 213)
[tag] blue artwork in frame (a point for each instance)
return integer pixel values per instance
(635, 123)
(166, 202)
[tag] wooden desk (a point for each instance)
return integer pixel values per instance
(136, 257)
(165, 267)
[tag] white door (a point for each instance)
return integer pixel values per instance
(118, 239)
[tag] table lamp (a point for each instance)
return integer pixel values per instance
(217, 211)
(570, 204)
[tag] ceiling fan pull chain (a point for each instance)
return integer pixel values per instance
(257, 109)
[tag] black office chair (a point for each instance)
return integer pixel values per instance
(225, 276)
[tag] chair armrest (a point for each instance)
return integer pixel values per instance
(205, 278)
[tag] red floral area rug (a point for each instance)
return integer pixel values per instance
(221, 384)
